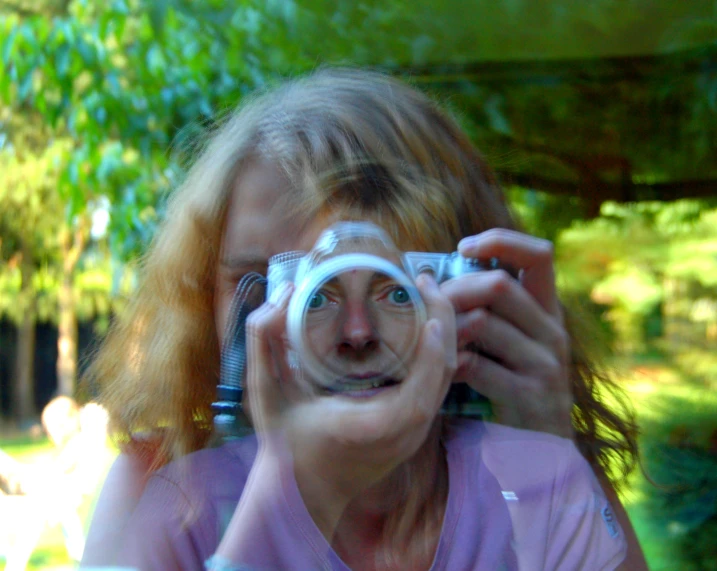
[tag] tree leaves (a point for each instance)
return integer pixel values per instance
(639, 257)
(127, 79)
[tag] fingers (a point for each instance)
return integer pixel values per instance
(518, 327)
(524, 369)
(507, 299)
(440, 307)
(533, 255)
(498, 338)
(519, 400)
(485, 376)
(430, 374)
(264, 329)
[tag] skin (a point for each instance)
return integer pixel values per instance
(522, 324)
(358, 328)
(518, 322)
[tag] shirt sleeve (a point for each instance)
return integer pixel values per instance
(561, 519)
(584, 533)
(181, 519)
(165, 530)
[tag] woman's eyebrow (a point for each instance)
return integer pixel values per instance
(237, 262)
(380, 277)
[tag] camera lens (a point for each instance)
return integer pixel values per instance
(355, 322)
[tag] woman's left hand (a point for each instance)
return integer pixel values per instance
(518, 327)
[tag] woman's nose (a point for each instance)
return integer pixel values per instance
(358, 333)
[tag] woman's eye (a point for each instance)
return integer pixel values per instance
(318, 300)
(399, 296)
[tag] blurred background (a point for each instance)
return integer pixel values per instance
(600, 117)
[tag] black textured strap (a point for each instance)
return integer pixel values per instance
(228, 414)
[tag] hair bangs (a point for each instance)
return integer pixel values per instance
(347, 163)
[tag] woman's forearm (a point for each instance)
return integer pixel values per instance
(120, 494)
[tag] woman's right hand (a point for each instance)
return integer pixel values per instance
(341, 446)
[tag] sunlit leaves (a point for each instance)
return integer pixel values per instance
(639, 257)
(636, 289)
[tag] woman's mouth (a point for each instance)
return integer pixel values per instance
(356, 385)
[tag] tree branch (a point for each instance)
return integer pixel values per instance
(79, 241)
(20, 10)
(620, 192)
(43, 10)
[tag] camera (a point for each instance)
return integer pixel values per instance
(355, 316)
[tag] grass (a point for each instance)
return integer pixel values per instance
(26, 448)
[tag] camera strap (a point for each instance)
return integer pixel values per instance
(229, 418)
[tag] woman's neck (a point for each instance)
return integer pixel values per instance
(399, 520)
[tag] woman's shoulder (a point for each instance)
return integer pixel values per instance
(201, 479)
(462, 433)
(511, 453)
(183, 502)
(557, 510)
(230, 461)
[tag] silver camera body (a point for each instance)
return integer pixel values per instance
(296, 266)
(348, 249)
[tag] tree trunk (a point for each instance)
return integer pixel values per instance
(23, 391)
(72, 244)
(66, 339)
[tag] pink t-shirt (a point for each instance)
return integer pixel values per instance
(517, 500)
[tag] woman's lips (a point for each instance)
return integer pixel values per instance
(365, 376)
(361, 383)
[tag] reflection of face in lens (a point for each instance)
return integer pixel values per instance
(361, 325)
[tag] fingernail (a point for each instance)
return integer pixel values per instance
(468, 242)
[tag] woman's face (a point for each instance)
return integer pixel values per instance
(361, 327)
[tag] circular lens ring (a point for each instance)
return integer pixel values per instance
(298, 305)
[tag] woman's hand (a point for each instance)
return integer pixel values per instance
(518, 327)
(342, 445)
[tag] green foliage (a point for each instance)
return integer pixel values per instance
(69, 73)
(630, 287)
(641, 257)
(543, 214)
(680, 455)
(142, 74)
(651, 261)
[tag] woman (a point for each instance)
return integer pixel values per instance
(384, 481)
